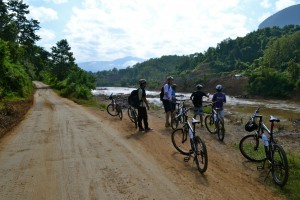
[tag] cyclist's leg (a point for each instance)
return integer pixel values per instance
(140, 118)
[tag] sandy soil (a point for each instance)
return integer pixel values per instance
(64, 151)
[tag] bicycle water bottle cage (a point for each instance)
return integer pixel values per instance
(195, 121)
(274, 119)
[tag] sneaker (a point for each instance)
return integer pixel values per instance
(149, 129)
(141, 129)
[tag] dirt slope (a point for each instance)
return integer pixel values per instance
(64, 151)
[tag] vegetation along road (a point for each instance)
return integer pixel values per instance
(64, 151)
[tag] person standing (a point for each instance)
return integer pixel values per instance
(196, 98)
(173, 111)
(218, 100)
(142, 111)
(167, 99)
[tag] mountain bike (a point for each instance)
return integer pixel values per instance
(133, 116)
(195, 147)
(177, 117)
(113, 108)
(258, 147)
(214, 122)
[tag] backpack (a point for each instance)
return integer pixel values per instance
(133, 98)
(162, 93)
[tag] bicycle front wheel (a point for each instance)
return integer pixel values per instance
(252, 148)
(210, 123)
(130, 114)
(280, 168)
(180, 141)
(200, 153)
(220, 130)
(112, 110)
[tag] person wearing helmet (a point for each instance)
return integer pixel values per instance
(196, 98)
(167, 100)
(219, 99)
(142, 111)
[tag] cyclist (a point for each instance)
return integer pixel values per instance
(142, 111)
(167, 99)
(196, 98)
(219, 99)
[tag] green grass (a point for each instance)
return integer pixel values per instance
(89, 103)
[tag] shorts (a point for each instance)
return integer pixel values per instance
(167, 105)
(198, 110)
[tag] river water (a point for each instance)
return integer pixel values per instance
(288, 111)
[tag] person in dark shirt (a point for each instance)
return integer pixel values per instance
(196, 98)
(219, 99)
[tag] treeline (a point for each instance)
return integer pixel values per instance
(22, 61)
(269, 57)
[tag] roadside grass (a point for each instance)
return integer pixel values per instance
(89, 103)
(291, 190)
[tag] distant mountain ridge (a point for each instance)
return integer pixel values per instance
(121, 63)
(287, 16)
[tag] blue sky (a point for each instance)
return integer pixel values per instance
(104, 30)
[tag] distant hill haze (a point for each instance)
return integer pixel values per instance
(287, 16)
(122, 63)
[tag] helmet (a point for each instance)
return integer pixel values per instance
(174, 85)
(251, 126)
(170, 78)
(142, 81)
(199, 86)
(219, 88)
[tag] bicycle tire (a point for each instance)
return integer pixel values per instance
(129, 112)
(252, 148)
(280, 168)
(220, 130)
(174, 123)
(180, 141)
(119, 110)
(111, 110)
(201, 157)
(210, 124)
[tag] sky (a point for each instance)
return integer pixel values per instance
(105, 30)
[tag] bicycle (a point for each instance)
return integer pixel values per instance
(195, 148)
(133, 116)
(177, 118)
(214, 123)
(113, 108)
(258, 147)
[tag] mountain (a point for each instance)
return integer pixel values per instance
(287, 16)
(121, 63)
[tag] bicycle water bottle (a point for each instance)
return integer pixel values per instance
(191, 134)
(265, 139)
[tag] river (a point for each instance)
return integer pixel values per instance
(288, 111)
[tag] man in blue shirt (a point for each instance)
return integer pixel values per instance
(219, 99)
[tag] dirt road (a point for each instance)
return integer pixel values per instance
(64, 151)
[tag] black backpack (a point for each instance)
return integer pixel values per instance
(133, 98)
(162, 93)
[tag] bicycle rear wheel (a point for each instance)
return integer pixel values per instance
(174, 123)
(129, 112)
(220, 129)
(210, 123)
(280, 168)
(252, 148)
(200, 153)
(112, 110)
(180, 141)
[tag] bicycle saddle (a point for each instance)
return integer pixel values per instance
(195, 121)
(274, 119)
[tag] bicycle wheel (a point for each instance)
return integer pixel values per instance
(174, 123)
(130, 113)
(220, 129)
(112, 110)
(252, 148)
(135, 118)
(280, 168)
(210, 123)
(180, 141)
(119, 110)
(200, 153)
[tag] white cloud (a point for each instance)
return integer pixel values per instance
(48, 38)
(281, 4)
(264, 16)
(57, 1)
(107, 30)
(43, 14)
(266, 4)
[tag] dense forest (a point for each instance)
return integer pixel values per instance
(269, 58)
(22, 61)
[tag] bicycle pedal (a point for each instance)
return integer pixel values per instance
(186, 159)
(260, 168)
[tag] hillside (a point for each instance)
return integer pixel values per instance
(287, 16)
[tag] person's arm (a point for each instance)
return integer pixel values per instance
(146, 102)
